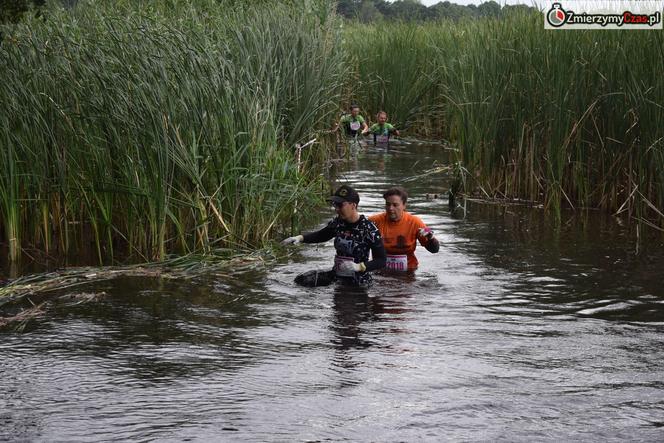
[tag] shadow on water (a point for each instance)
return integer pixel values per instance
(355, 308)
(352, 308)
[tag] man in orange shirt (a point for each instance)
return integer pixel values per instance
(401, 231)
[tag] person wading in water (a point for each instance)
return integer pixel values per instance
(401, 230)
(353, 123)
(354, 237)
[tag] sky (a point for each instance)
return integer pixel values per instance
(477, 2)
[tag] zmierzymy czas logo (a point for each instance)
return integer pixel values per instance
(628, 15)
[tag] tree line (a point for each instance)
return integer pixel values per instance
(367, 11)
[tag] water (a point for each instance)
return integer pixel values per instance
(514, 331)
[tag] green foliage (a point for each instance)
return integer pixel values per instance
(568, 118)
(147, 128)
(11, 11)
(368, 11)
(396, 69)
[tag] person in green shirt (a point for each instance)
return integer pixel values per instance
(352, 123)
(382, 130)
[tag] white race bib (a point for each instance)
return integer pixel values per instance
(354, 126)
(397, 263)
(382, 139)
(338, 259)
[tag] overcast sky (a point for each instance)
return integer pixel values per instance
(477, 2)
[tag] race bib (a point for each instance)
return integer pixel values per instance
(382, 139)
(397, 263)
(354, 126)
(338, 259)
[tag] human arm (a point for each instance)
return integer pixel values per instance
(343, 123)
(378, 256)
(365, 128)
(319, 236)
(343, 120)
(426, 238)
(292, 240)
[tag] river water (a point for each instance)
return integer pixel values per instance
(517, 330)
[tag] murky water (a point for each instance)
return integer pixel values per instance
(516, 330)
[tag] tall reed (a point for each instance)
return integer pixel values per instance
(151, 128)
(571, 118)
(396, 71)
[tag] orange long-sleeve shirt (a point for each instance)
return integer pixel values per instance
(400, 238)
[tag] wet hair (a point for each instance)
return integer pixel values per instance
(353, 106)
(397, 190)
(381, 113)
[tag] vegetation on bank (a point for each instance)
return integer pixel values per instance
(12, 10)
(571, 118)
(371, 11)
(142, 128)
(365, 11)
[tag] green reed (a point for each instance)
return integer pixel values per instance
(570, 118)
(395, 71)
(161, 127)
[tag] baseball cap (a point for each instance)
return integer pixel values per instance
(345, 194)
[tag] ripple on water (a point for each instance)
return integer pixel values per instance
(511, 333)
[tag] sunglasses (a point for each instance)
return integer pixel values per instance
(338, 205)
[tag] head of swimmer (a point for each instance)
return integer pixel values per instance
(395, 203)
(345, 201)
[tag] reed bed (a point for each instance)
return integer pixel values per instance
(568, 118)
(395, 71)
(143, 129)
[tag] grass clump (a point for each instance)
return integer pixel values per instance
(148, 128)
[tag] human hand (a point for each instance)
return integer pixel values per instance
(425, 233)
(348, 266)
(292, 240)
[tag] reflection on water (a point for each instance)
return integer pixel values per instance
(516, 330)
(352, 308)
(355, 309)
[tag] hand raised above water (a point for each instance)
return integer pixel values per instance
(425, 233)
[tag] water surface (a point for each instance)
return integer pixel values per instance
(517, 330)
